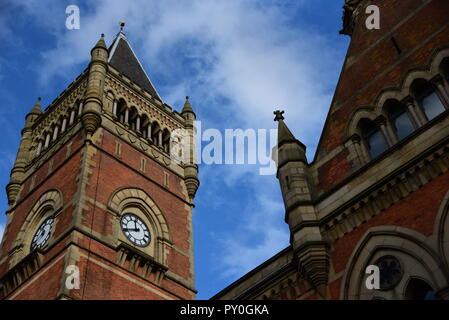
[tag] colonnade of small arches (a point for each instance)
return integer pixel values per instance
(129, 116)
(62, 124)
(398, 113)
(141, 124)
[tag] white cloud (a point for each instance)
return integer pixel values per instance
(243, 59)
(260, 234)
(240, 50)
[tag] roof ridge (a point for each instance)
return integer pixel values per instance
(123, 61)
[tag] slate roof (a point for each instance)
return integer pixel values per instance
(122, 57)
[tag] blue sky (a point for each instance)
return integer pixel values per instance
(237, 60)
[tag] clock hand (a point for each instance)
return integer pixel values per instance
(131, 229)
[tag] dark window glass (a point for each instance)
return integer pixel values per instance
(402, 124)
(432, 105)
(375, 143)
(419, 290)
(390, 272)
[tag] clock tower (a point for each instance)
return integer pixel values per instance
(99, 208)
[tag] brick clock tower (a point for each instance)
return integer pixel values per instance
(97, 207)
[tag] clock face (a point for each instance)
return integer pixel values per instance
(135, 230)
(390, 272)
(42, 234)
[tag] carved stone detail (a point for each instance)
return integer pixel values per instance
(140, 263)
(20, 272)
(385, 196)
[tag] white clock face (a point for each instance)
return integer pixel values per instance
(135, 230)
(42, 234)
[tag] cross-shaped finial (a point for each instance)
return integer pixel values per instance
(278, 115)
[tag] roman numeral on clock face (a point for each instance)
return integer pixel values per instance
(135, 230)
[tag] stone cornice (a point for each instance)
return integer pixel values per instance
(21, 272)
(388, 191)
(59, 105)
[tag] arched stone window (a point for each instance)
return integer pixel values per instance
(444, 69)
(427, 98)
(122, 111)
(48, 206)
(166, 140)
(374, 139)
(418, 289)
(145, 126)
(401, 254)
(133, 201)
(134, 120)
(400, 119)
(156, 133)
(111, 104)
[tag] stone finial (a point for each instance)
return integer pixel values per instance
(188, 113)
(101, 43)
(37, 107)
(278, 115)
(187, 107)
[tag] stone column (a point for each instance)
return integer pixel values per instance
(114, 108)
(127, 116)
(80, 109)
(438, 82)
(418, 110)
(138, 123)
(64, 124)
(381, 122)
(39, 148)
(354, 143)
(47, 141)
(411, 110)
(55, 133)
(72, 117)
(149, 132)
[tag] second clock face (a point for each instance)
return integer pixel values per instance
(135, 230)
(42, 234)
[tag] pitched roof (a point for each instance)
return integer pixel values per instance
(123, 58)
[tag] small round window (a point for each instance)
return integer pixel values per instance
(390, 270)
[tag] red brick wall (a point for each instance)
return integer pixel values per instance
(108, 175)
(376, 65)
(416, 212)
(63, 179)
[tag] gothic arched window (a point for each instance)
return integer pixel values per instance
(373, 138)
(166, 140)
(156, 134)
(427, 98)
(144, 125)
(444, 68)
(121, 110)
(134, 120)
(399, 118)
(136, 214)
(418, 289)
